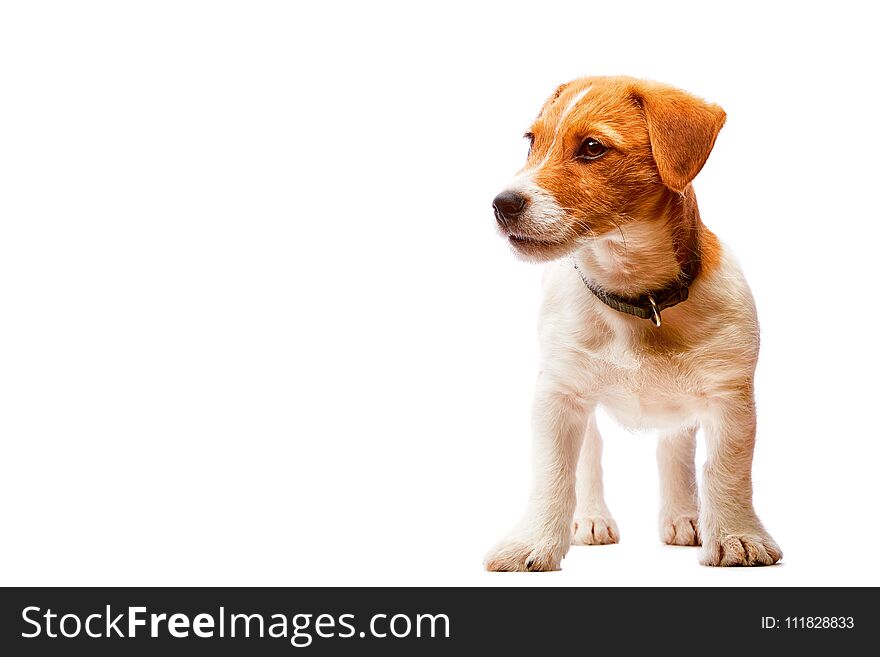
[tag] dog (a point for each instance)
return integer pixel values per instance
(644, 313)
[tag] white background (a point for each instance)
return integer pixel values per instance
(256, 326)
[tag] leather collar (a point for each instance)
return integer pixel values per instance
(686, 244)
(650, 304)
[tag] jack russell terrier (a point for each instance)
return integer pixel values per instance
(644, 313)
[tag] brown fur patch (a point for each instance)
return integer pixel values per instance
(683, 129)
(598, 194)
(710, 249)
(658, 138)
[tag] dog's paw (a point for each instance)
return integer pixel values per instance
(679, 530)
(740, 550)
(594, 530)
(523, 555)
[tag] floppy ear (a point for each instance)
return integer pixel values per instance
(682, 129)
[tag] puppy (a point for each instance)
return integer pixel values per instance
(644, 313)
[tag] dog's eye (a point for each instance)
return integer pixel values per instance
(531, 139)
(591, 149)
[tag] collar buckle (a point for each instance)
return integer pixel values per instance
(655, 310)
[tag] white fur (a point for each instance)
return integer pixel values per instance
(543, 213)
(591, 356)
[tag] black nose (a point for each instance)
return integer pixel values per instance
(508, 206)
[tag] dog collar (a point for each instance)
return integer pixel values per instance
(647, 305)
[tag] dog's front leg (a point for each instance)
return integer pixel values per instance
(678, 487)
(543, 536)
(593, 524)
(731, 531)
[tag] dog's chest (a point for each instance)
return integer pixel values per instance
(649, 392)
(649, 407)
(645, 382)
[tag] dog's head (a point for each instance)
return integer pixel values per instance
(603, 151)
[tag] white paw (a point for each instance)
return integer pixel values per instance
(679, 530)
(525, 555)
(594, 530)
(740, 550)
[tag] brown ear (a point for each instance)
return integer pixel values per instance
(682, 129)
